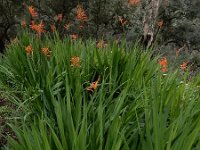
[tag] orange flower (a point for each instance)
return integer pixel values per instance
(160, 23)
(45, 51)
(163, 64)
(39, 28)
(183, 66)
(53, 27)
(32, 11)
(80, 14)
(59, 17)
(122, 21)
(75, 61)
(74, 36)
(93, 86)
(101, 44)
(29, 49)
(23, 23)
(133, 2)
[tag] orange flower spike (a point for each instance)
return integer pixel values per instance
(59, 17)
(32, 11)
(29, 49)
(45, 51)
(164, 69)
(133, 2)
(93, 85)
(75, 61)
(163, 64)
(40, 28)
(183, 66)
(80, 14)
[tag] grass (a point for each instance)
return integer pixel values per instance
(130, 104)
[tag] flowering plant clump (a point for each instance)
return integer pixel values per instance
(82, 89)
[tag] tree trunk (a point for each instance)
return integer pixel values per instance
(150, 20)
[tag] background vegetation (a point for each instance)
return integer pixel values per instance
(172, 27)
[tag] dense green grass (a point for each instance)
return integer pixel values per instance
(133, 107)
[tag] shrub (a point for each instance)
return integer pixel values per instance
(74, 95)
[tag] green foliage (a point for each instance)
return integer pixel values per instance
(133, 107)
